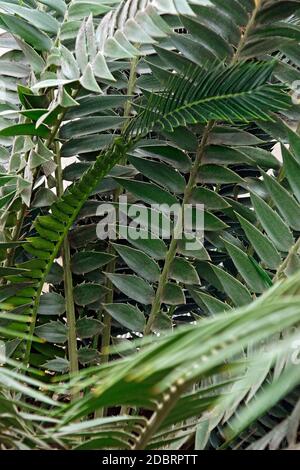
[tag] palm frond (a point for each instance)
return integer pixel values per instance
(44, 246)
(160, 378)
(236, 93)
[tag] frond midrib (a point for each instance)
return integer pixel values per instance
(217, 98)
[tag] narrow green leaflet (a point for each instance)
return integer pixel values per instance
(25, 129)
(127, 315)
(160, 173)
(147, 192)
(173, 294)
(88, 293)
(292, 169)
(88, 327)
(217, 174)
(36, 38)
(52, 304)
(53, 332)
(139, 262)
(132, 286)
(286, 204)
(238, 293)
(86, 261)
(38, 19)
(262, 245)
(183, 271)
(208, 302)
(272, 223)
(245, 268)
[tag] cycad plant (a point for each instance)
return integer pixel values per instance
(149, 341)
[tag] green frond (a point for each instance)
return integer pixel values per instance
(236, 93)
(160, 377)
(51, 230)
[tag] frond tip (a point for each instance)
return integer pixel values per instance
(235, 93)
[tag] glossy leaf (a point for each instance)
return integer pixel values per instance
(127, 315)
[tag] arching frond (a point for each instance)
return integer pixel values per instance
(239, 92)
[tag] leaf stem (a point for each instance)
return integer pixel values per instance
(248, 28)
(16, 235)
(89, 181)
(66, 257)
(68, 280)
(155, 309)
(192, 180)
(167, 403)
(106, 319)
(112, 265)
